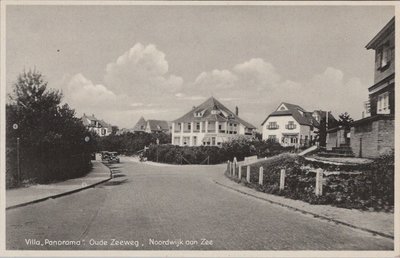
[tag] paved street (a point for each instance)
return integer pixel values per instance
(146, 205)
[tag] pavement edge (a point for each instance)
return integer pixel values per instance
(61, 194)
(308, 212)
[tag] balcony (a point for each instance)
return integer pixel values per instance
(273, 127)
(291, 126)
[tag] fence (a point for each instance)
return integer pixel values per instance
(359, 187)
(232, 166)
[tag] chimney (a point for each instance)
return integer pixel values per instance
(236, 111)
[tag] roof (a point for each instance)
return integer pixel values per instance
(158, 125)
(102, 123)
(206, 107)
(140, 125)
(332, 121)
(294, 110)
(388, 28)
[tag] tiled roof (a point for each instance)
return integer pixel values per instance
(206, 107)
(158, 125)
(294, 110)
(140, 125)
(86, 120)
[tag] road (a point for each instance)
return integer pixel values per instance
(149, 207)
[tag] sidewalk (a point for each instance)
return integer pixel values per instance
(379, 223)
(37, 193)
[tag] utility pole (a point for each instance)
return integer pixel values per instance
(158, 142)
(18, 163)
(326, 128)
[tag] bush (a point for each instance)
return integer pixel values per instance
(184, 155)
(238, 148)
(130, 143)
(373, 188)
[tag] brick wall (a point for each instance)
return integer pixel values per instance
(377, 138)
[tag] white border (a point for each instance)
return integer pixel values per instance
(228, 253)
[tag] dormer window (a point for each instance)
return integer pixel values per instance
(301, 112)
(199, 113)
(215, 112)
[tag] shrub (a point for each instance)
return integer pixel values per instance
(373, 188)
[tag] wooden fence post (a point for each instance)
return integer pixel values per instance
(318, 181)
(248, 174)
(234, 167)
(261, 176)
(229, 167)
(282, 181)
(240, 172)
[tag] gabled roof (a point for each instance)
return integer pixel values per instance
(207, 107)
(386, 30)
(158, 125)
(105, 125)
(140, 125)
(91, 118)
(295, 111)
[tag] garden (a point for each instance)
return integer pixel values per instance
(365, 187)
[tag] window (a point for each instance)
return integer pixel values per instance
(383, 56)
(197, 126)
(290, 125)
(177, 140)
(272, 126)
(186, 140)
(194, 141)
(213, 141)
(272, 138)
(234, 125)
(383, 104)
(189, 126)
(220, 127)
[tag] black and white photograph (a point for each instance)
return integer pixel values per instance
(160, 127)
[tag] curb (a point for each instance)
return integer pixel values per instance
(60, 194)
(308, 212)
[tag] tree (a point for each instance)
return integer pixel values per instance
(52, 139)
(345, 120)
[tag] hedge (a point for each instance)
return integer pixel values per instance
(238, 148)
(372, 189)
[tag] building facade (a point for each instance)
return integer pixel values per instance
(290, 125)
(373, 135)
(100, 127)
(211, 124)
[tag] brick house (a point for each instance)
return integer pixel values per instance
(210, 123)
(373, 135)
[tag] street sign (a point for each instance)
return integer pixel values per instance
(15, 126)
(87, 139)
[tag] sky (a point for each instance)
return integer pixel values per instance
(123, 62)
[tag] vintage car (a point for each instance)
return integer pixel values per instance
(109, 156)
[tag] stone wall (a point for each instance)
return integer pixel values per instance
(372, 138)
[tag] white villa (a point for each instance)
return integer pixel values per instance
(210, 123)
(96, 125)
(291, 125)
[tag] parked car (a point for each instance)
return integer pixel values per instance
(113, 158)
